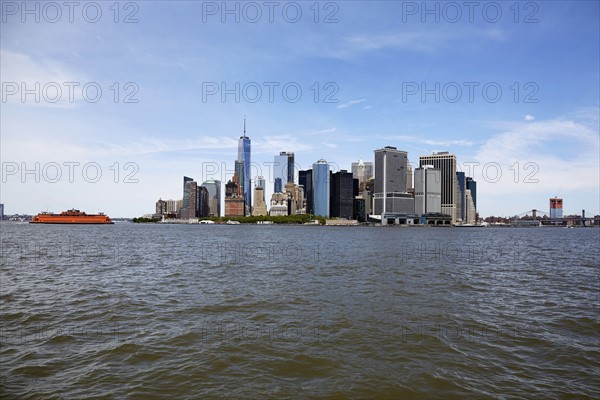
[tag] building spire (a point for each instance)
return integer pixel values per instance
(244, 125)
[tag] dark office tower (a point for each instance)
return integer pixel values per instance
(202, 208)
(161, 207)
(305, 180)
(446, 163)
(342, 195)
(472, 186)
(290, 166)
(278, 185)
(461, 199)
(186, 193)
(244, 157)
(360, 212)
(355, 187)
(191, 188)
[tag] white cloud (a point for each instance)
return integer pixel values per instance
(540, 157)
(431, 142)
(528, 117)
(45, 77)
(350, 103)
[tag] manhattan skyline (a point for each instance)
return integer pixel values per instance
(377, 77)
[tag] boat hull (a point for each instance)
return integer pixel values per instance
(72, 217)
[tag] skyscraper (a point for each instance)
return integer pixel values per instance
(234, 199)
(214, 197)
(260, 207)
(305, 180)
(428, 190)
(446, 163)
(186, 192)
(321, 188)
(362, 171)
(461, 200)
(342, 195)
(283, 171)
(202, 208)
(472, 186)
(239, 173)
(261, 183)
(191, 190)
(390, 182)
(244, 157)
(161, 207)
(556, 208)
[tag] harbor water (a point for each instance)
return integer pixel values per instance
(275, 312)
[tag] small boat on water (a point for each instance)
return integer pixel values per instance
(71, 217)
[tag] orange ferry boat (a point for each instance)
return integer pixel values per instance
(71, 217)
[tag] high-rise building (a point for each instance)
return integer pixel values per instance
(191, 191)
(244, 157)
(390, 170)
(362, 171)
(290, 166)
(214, 197)
(472, 186)
(174, 206)
(260, 182)
(321, 188)
(260, 207)
(470, 211)
(305, 180)
(342, 195)
(410, 178)
(186, 193)
(461, 201)
(202, 207)
(283, 171)
(391, 175)
(234, 199)
(295, 198)
(446, 163)
(1, 211)
(556, 208)
(428, 190)
(161, 207)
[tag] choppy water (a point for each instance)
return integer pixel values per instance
(174, 311)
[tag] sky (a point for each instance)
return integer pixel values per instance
(106, 106)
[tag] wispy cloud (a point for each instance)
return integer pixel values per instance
(528, 117)
(350, 103)
(547, 148)
(44, 77)
(430, 142)
(330, 130)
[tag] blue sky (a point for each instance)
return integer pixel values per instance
(371, 67)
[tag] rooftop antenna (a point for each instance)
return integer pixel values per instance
(244, 125)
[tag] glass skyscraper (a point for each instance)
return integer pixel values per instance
(244, 157)
(214, 197)
(321, 186)
(305, 180)
(283, 171)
